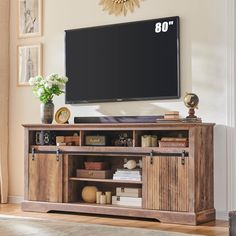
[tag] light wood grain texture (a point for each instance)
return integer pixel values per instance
(167, 181)
(72, 189)
(213, 228)
(116, 126)
(174, 217)
(107, 149)
(204, 169)
(45, 178)
(106, 180)
(175, 188)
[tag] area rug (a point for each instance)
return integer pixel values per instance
(20, 226)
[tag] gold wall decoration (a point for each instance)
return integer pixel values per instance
(119, 7)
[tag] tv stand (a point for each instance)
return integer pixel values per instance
(176, 183)
(116, 119)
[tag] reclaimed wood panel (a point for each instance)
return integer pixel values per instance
(187, 218)
(191, 174)
(107, 149)
(72, 191)
(204, 187)
(26, 164)
(45, 178)
(166, 183)
(116, 126)
(218, 227)
(172, 192)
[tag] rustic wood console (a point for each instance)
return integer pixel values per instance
(177, 182)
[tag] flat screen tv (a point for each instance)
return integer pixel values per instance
(123, 62)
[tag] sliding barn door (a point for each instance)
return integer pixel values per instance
(165, 183)
(45, 177)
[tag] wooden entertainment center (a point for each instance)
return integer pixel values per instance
(176, 183)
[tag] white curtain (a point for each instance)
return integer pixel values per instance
(4, 97)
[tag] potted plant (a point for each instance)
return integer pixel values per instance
(45, 89)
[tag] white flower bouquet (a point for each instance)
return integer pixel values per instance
(46, 88)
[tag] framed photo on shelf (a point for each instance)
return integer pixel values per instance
(29, 63)
(29, 18)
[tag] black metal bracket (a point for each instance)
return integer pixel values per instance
(183, 158)
(33, 153)
(151, 157)
(57, 154)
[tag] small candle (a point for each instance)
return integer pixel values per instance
(108, 197)
(103, 199)
(154, 141)
(146, 141)
(98, 195)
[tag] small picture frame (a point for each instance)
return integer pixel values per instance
(29, 63)
(29, 18)
(62, 115)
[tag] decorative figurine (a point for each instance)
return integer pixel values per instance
(131, 164)
(191, 101)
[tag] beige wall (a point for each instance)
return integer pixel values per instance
(203, 70)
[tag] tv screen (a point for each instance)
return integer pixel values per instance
(128, 61)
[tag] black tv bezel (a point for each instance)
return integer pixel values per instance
(137, 98)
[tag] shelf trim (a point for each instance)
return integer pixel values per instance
(106, 180)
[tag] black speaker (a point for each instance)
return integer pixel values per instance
(116, 119)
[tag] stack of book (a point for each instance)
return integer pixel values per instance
(128, 197)
(171, 115)
(173, 142)
(126, 174)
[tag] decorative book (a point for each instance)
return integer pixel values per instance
(127, 201)
(129, 192)
(173, 142)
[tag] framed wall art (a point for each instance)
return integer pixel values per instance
(29, 63)
(29, 18)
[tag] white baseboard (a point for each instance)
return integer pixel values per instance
(15, 199)
(222, 215)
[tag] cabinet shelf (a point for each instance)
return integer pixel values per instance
(106, 180)
(95, 205)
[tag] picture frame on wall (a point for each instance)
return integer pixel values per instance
(29, 18)
(29, 63)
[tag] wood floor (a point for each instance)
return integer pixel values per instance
(216, 228)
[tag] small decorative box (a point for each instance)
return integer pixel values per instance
(94, 174)
(95, 140)
(92, 165)
(68, 140)
(129, 192)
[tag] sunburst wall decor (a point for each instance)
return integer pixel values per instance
(119, 7)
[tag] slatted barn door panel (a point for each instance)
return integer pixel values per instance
(45, 178)
(166, 184)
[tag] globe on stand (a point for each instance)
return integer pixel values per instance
(191, 101)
